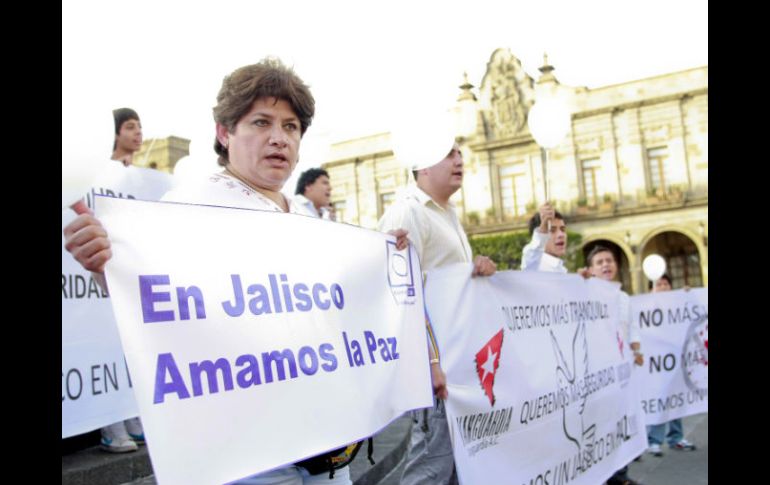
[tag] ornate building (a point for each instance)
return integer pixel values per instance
(631, 174)
(162, 153)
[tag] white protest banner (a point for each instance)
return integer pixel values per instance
(96, 386)
(540, 390)
(674, 328)
(257, 338)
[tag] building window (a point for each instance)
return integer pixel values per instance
(514, 190)
(684, 270)
(339, 211)
(386, 200)
(657, 160)
(590, 170)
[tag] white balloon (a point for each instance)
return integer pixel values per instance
(422, 140)
(195, 165)
(549, 122)
(654, 266)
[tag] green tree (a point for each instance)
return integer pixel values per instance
(505, 249)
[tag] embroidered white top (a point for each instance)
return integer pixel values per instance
(224, 190)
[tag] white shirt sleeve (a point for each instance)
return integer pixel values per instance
(534, 250)
(627, 320)
(400, 216)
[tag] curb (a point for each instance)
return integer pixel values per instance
(93, 466)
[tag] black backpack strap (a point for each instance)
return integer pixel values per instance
(370, 451)
(425, 420)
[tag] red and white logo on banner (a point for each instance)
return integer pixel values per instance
(487, 362)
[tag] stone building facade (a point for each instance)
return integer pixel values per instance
(631, 173)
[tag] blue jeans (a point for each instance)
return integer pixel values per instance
(429, 460)
(656, 432)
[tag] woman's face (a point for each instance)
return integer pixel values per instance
(264, 146)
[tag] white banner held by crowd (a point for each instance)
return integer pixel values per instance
(540, 389)
(257, 338)
(96, 386)
(674, 330)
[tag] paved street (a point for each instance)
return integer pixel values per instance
(673, 468)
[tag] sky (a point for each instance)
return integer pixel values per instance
(368, 63)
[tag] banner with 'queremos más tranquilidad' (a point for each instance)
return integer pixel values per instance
(541, 386)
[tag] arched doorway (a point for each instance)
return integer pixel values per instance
(683, 262)
(624, 269)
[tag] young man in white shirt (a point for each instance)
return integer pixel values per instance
(549, 242)
(602, 264)
(124, 436)
(314, 193)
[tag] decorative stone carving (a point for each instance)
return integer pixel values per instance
(507, 92)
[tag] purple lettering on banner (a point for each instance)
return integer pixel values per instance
(371, 344)
(183, 295)
(311, 367)
(211, 370)
(276, 295)
(149, 298)
(325, 351)
(166, 363)
(305, 304)
(322, 304)
(235, 309)
(337, 297)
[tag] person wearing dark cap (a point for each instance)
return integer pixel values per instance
(128, 135)
(124, 436)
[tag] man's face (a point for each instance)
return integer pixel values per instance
(319, 192)
(448, 173)
(603, 266)
(129, 138)
(557, 242)
(661, 285)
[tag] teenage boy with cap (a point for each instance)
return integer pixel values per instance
(124, 436)
(425, 211)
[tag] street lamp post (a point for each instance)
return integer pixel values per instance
(548, 119)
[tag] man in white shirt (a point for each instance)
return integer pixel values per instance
(313, 194)
(429, 217)
(602, 264)
(549, 242)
